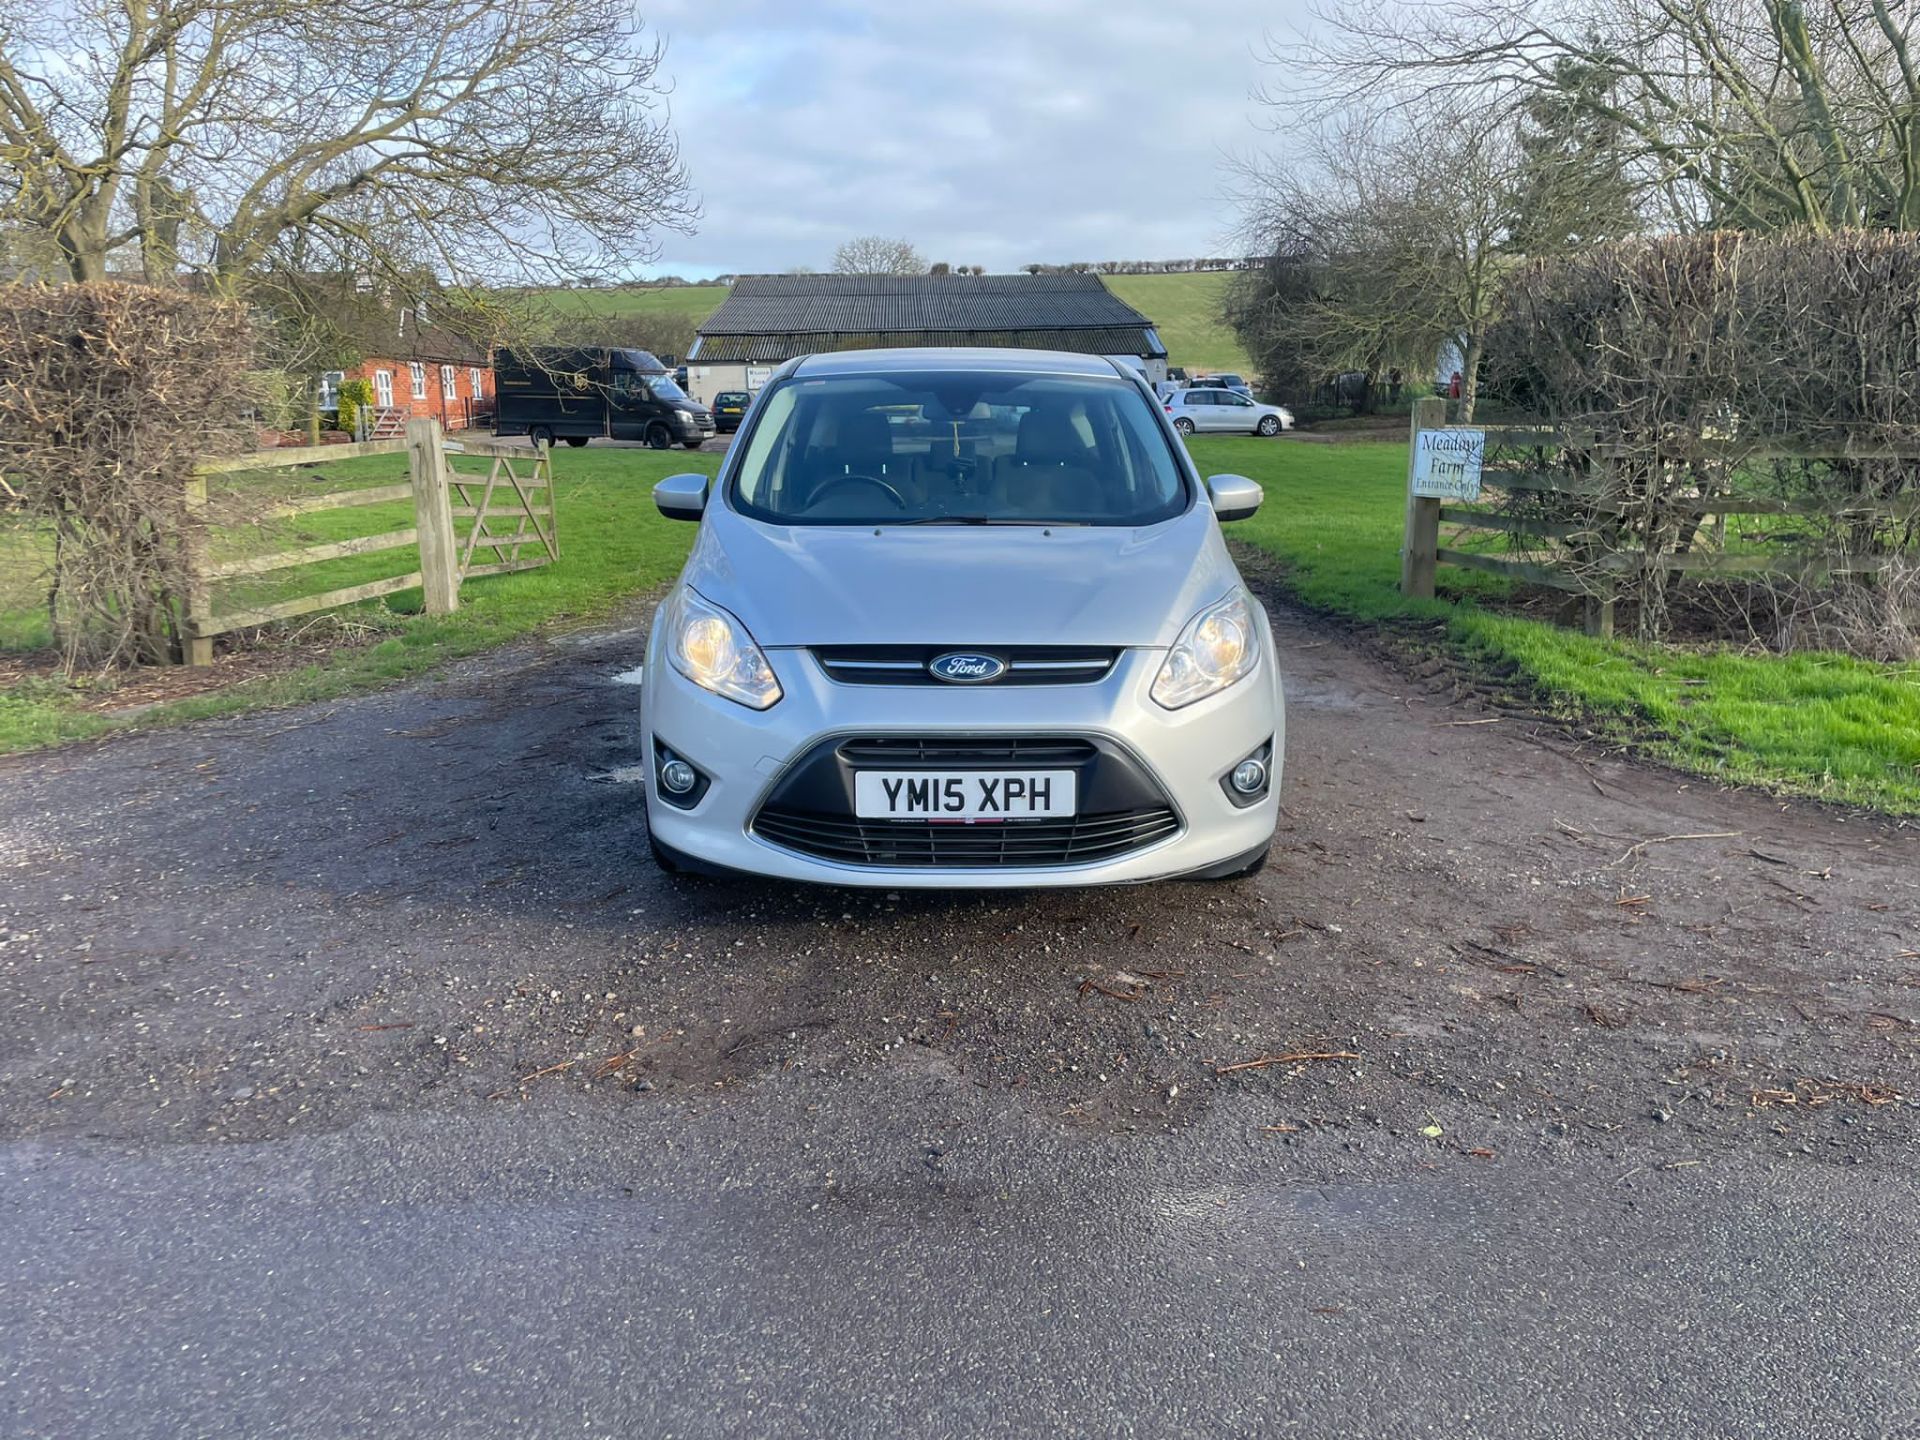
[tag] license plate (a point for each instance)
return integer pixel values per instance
(972, 795)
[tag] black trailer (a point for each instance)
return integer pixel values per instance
(555, 393)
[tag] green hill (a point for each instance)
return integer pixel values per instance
(1186, 311)
(696, 302)
(1185, 308)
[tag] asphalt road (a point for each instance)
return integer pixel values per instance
(358, 1076)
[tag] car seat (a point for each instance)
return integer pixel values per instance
(1052, 473)
(864, 446)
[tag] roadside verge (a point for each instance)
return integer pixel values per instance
(1820, 725)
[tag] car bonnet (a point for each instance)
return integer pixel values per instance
(795, 585)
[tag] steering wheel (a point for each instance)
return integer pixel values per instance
(899, 500)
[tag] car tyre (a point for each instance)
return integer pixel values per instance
(1184, 426)
(539, 435)
(673, 862)
(659, 437)
(576, 441)
(1269, 425)
(691, 444)
(1237, 867)
(1251, 868)
(668, 862)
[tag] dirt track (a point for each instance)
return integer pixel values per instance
(420, 898)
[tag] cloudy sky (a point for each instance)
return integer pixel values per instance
(989, 132)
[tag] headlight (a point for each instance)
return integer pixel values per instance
(1217, 648)
(714, 650)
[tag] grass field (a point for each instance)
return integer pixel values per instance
(1186, 311)
(696, 302)
(1811, 724)
(1185, 308)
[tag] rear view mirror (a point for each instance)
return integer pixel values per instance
(1234, 497)
(684, 497)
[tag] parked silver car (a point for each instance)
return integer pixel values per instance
(961, 618)
(1210, 410)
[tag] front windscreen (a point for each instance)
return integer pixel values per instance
(962, 448)
(663, 388)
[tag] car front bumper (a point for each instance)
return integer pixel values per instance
(746, 755)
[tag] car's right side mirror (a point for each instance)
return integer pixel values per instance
(683, 497)
(1234, 497)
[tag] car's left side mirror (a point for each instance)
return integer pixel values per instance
(683, 497)
(1234, 497)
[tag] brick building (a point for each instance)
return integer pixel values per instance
(418, 365)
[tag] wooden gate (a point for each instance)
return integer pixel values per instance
(518, 490)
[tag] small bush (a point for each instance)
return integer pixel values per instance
(355, 396)
(109, 394)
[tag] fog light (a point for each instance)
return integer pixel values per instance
(677, 777)
(1250, 776)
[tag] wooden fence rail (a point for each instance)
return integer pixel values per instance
(445, 550)
(1591, 562)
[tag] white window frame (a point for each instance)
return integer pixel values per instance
(449, 383)
(383, 389)
(474, 381)
(330, 383)
(418, 373)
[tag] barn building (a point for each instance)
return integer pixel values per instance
(772, 318)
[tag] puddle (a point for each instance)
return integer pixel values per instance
(625, 775)
(1319, 695)
(600, 637)
(634, 676)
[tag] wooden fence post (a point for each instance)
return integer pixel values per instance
(433, 516)
(197, 648)
(1419, 554)
(1596, 610)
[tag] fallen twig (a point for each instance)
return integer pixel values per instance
(1706, 985)
(1293, 1057)
(550, 1070)
(1815, 1093)
(1634, 850)
(389, 1025)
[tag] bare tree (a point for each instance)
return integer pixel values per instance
(1390, 247)
(878, 255)
(482, 139)
(1745, 113)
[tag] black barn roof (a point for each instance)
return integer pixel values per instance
(775, 317)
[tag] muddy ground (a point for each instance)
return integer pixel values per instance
(438, 899)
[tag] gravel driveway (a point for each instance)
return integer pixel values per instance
(357, 1067)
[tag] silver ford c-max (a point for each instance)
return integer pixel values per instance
(961, 618)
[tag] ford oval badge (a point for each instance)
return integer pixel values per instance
(966, 667)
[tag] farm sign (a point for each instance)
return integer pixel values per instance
(1446, 464)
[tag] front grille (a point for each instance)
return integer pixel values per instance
(965, 750)
(930, 844)
(1026, 664)
(811, 809)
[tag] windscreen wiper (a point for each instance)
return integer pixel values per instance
(982, 520)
